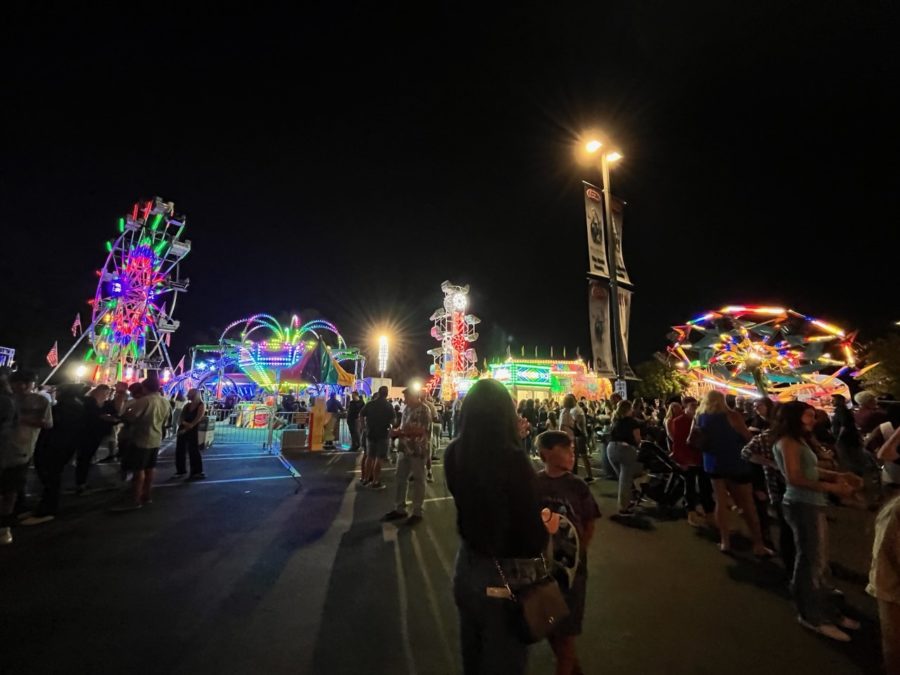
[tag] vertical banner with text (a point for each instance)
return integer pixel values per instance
(598, 265)
(618, 214)
(624, 318)
(601, 333)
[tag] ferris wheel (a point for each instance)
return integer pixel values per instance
(137, 289)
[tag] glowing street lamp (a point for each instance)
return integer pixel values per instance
(382, 354)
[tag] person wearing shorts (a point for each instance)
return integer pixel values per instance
(378, 416)
(725, 434)
(148, 416)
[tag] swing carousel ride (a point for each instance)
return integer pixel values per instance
(765, 351)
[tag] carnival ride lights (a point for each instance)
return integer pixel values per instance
(454, 360)
(771, 351)
(137, 289)
(283, 348)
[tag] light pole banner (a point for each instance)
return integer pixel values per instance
(624, 317)
(601, 333)
(618, 214)
(598, 265)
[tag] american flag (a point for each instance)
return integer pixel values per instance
(53, 355)
(76, 326)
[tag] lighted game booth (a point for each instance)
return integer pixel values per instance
(549, 379)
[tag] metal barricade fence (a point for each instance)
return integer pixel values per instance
(249, 423)
(246, 423)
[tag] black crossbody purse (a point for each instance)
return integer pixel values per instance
(536, 608)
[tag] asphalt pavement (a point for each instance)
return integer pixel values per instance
(241, 573)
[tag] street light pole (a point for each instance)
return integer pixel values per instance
(612, 257)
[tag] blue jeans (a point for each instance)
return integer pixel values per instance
(623, 457)
(489, 643)
(807, 584)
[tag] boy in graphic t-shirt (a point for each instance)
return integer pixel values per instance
(570, 502)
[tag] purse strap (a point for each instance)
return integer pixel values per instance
(512, 596)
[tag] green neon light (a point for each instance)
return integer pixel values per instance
(156, 222)
(109, 246)
(159, 247)
(121, 224)
(87, 356)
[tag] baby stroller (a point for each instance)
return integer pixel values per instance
(665, 484)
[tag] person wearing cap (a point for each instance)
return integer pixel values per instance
(414, 434)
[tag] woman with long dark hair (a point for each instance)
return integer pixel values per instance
(804, 509)
(498, 516)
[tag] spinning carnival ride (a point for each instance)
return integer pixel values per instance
(258, 353)
(137, 289)
(454, 360)
(768, 351)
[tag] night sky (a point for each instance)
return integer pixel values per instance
(344, 162)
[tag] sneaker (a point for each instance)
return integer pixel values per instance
(178, 476)
(827, 629)
(696, 520)
(849, 624)
(5, 536)
(377, 486)
(393, 515)
(197, 476)
(413, 520)
(589, 480)
(24, 515)
(37, 520)
(364, 482)
(429, 477)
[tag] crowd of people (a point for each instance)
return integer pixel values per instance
(779, 466)
(773, 464)
(53, 428)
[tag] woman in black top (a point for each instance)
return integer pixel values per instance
(622, 452)
(498, 515)
(188, 442)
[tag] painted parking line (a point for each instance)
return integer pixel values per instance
(219, 458)
(220, 481)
